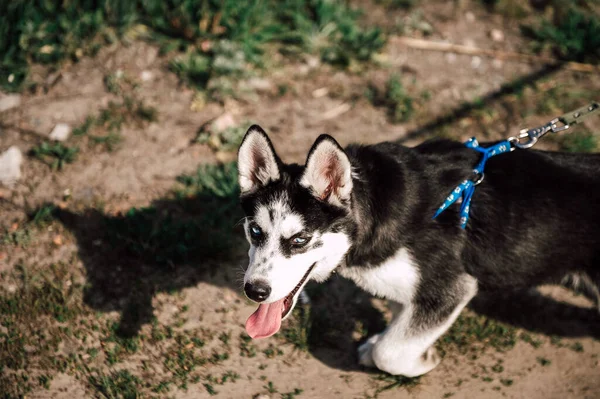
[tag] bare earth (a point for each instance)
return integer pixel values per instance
(142, 171)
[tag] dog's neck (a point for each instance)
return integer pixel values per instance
(392, 202)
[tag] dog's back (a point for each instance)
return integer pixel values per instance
(535, 218)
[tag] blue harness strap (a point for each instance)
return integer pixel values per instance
(467, 187)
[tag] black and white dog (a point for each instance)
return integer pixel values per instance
(366, 211)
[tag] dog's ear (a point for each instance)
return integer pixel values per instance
(328, 172)
(257, 162)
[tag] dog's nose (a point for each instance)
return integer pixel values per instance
(258, 291)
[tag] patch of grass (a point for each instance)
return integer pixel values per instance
(31, 333)
(54, 154)
(543, 361)
(395, 98)
(292, 394)
(117, 385)
(578, 141)
(15, 385)
(498, 367)
(399, 102)
(506, 382)
(21, 237)
(535, 342)
(228, 140)
(513, 9)
(219, 181)
(575, 36)
(576, 347)
(403, 4)
(297, 331)
(247, 349)
(48, 32)
(272, 351)
(395, 381)
(105, 128)
(42, 294)
(209, 388)
(474, 333)
(270, 387)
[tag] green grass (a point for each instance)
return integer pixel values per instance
(543, 361)
(105, 128)
(54, 154)
(574, 37)
(228, 140)
(117, 385)
(219, 37)
(387, 382)
(403, 4)
(292, 394)
(578, 140)
(25, 232)
(398, 102)
(473, 333)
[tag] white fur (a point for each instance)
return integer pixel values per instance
(254, 151)
(400, 351)
(395, 279)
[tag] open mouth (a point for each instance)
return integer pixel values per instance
(266, 320)
(288, 302)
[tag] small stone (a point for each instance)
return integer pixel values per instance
(61, 132)
(10, 166)
(260, 84)
(321, 92)
(313, 62)
(9, 101)
(223, 122)
(146, 76)
(475, 62)
(470, 17)
(57, 240)
(497, 35)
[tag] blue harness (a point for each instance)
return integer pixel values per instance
(467, 187)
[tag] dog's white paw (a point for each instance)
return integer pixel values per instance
(365, 351)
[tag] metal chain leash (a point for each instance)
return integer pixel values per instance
(528, 137)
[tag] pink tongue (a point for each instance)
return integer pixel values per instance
(266, 321)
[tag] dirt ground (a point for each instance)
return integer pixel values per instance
(562, 362)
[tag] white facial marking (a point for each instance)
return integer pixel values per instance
(283, 274)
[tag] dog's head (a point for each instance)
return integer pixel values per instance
(297, 223)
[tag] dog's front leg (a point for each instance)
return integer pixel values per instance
(405, 347)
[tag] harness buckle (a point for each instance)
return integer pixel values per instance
(528, 137)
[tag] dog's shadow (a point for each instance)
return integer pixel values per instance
(342, 317)
(165, 247)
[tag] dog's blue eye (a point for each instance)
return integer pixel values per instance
(255, 231)
(299, 240)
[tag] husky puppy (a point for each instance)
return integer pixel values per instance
(366, 211)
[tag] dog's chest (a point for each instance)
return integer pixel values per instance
(395, 279)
